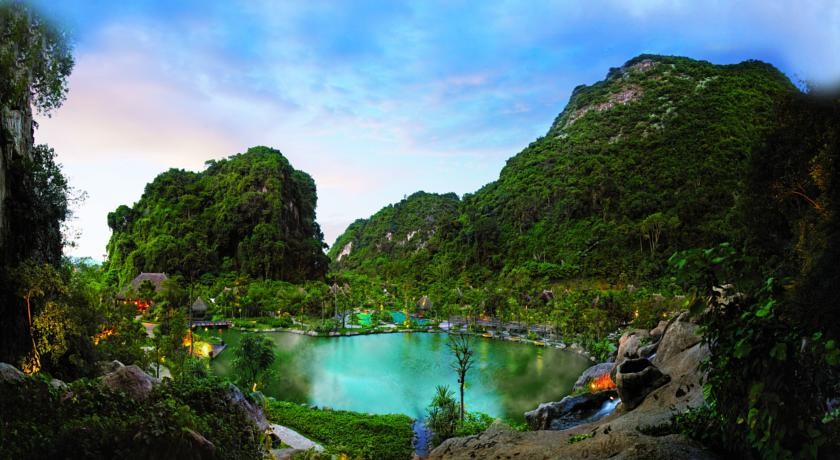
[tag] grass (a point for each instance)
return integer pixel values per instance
(352, 433)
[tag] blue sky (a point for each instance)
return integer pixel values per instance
(375, 99)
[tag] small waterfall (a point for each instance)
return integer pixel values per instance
(606, 409)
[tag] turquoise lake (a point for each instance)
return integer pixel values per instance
(397, 373)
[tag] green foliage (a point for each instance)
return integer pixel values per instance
(773, 343)
(474, 423)
(40, 421)
(253, 357)
(444, 415)
(35, 59)
(251, 214)
(580, 437)
(357, 435)
(651, 160)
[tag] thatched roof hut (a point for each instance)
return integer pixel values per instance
(156, 279)
(424, 303)
(199, 308)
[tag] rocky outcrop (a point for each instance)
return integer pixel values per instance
(602, 441)
(635, 379)
(569, 411)
(251, 410)
(680, 335)
(130, 380)
(9, 373)
(591, 373)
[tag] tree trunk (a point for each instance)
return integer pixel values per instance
(461, 386)
(35, 356)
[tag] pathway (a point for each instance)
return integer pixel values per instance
(294, 439)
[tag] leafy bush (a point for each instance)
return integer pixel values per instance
(90, 421)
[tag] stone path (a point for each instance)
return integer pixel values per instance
(294, 439)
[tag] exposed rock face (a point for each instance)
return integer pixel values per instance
(106, 367)
(680, 335)
(253, 412)
(131, 380)
(656, 333)
(589, 374)
(635, 379)
(9, 373)
(568, 412)
(501, 442)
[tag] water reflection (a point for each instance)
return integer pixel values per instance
(397, 373)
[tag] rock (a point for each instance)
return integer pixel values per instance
(629, 343)
(251, 410)
(680, 336)
(589, 374)
(106, 367)
(200, 447)
(656, 333)
(568, 412)
(502, 442)
(648, 350)
(58, 384)
(635, 379)
(9, 373)
(131, 380)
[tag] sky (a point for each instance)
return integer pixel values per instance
(374, 99)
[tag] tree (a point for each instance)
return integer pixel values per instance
(460, 347)
(35, 280)
(442, 416)
(35, 59)
(169, 340)
(253, 357)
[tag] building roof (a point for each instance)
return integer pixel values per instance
(156, 279)
(199, 305)
(424, 303)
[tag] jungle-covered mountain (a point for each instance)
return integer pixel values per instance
(251, 213)
(648, 161)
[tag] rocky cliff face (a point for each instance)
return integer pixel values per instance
(16, 141)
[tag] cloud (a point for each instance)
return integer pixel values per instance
(374, 99)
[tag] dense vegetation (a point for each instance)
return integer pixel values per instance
(352, 433)
(35, 61)
(91, 421)
(648, 161)
(775, 337)
(251, 214)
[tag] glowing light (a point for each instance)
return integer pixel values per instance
(602, 382)
(108, 332)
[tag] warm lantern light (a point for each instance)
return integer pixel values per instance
(602, 382)
(103, 335)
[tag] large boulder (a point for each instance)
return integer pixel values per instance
(130, 380)
(635, 379)
(106, 367)
(656, 333)
(591, 373)
(9, 373)
(629, 344)
(500, 441)
(569, 411)
(680, 336)
(252, 410)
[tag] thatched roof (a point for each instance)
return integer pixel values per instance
(424, 303)
(156, 279)
(199, 306)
